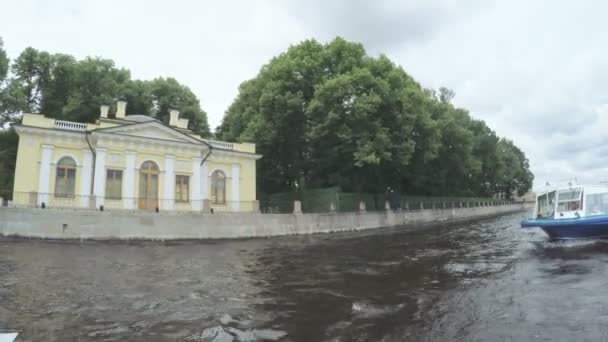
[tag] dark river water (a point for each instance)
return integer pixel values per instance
(480, 281)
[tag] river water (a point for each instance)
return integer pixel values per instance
(480, 281)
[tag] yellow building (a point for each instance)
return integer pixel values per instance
(130, 162)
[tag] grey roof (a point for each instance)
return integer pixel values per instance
(139, 118)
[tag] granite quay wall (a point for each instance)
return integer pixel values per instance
(79, 224)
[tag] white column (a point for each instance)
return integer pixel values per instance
(129, 187)
(169, 194)
(86, 178)
(44, 177)
(205, 181)
(235, 184)
(99, 187)
(195, 197)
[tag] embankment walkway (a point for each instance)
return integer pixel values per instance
(124, 225)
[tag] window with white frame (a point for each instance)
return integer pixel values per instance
(65, 177)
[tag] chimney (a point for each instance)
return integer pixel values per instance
(182, 123)
(121, 109)
(173, 117)
(103, 109)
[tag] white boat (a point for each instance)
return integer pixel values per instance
(575, 211)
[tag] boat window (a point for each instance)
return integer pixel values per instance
(596, 204)
(543, 209)
(570, 194)
(569, 206)
(552, 200)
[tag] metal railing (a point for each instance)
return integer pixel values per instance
(69, 125)
(343, 203)
(88, 202)
(322, 202)
(276, 206)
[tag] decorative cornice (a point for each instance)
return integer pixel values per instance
(142, 139)
(157, 124)
(48, 131)
(133, 139)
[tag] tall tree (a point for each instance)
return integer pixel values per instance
(167, 93)
(8, 157)
(272, 111)
(4, 62)
(514, 176)
(60, 86)
(328, 114)
(8, 137)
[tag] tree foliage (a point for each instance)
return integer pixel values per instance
(65, 88)
(328, 114)
(60, 86)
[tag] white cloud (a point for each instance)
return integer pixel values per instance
(535, 71)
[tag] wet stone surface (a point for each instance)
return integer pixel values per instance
(481, 281)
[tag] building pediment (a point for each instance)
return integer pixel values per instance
(151, 130)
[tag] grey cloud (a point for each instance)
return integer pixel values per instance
(380, 25)
(575, 146)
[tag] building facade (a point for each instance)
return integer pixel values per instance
(131, 162)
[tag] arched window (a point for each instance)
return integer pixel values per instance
(149, 166)
(65, 177)
(218, 187)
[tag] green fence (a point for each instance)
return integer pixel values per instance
(326, 200)
(277, 203)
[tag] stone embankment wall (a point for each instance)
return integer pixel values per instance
(74, 224)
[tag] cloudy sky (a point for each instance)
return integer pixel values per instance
(535, 71)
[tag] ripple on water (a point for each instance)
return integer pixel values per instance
(109, 330)
(474, 269)
(484, 281)
(369, 310)
(228, 334)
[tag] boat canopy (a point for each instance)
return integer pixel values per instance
(596, 200)
(571, 202)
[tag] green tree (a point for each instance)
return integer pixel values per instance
(8, 137)
(514, 176)
(328, 114)
(167, 93)
(8, 157)
(4, 62)
(62, 87)
(272, 111)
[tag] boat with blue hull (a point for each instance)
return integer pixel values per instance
(574, 212)
(577, 228)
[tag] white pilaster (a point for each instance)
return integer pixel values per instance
(99, 187)
(44, 177)
(195, 197)
(129, 187)
(169, 194)
(86, 176)
(204, 181)
(235, 184)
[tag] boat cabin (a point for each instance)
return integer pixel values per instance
(572, 202)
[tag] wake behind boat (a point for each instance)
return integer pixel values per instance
(572, 212)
